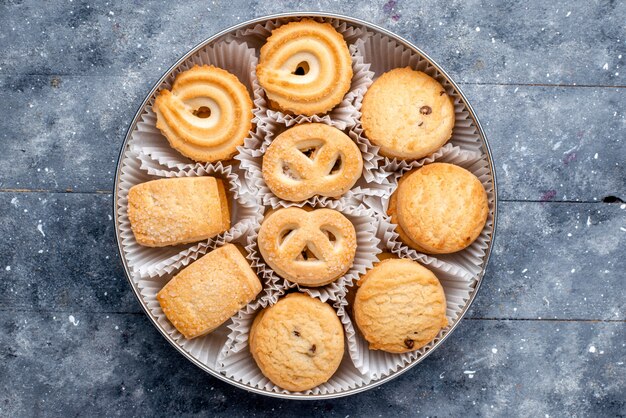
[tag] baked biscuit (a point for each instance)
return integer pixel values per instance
(392, 212)
(311, 248)
(400, 306)
(206, 293)
(298, 343)
(305, 67)
(407, 113)
(206, 115)
(439, 209)
(311, 159)
(177, 210)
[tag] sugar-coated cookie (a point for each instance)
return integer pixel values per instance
(400, 306)
(177, 210)
(297, 343)
(311, 159)
(305, 67)
(206, 115)
(440, 208)
(407, 113)
(209, 291)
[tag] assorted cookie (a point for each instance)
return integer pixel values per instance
(408, 114)
(439, 209)
(310, 248)
(298, 343)
(305, 68)
(203, 295)
(178, 210)
(400, 306)
(311, 159)
(206, 115)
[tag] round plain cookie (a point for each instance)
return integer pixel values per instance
(392, 212)
(440, 208)
(297, 343)
(305, 67)
(407, 113)
(400, 306)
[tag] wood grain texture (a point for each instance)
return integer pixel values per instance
(96, 364)
(560, 42)
(545, 336)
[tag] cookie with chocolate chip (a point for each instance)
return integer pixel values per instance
(408, 114)
(298, 342)
(400, 306)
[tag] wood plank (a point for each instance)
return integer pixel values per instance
(65, 133)
(556, 260)
(96, 364)
(537, 269)
(59, 253)
(555, 143)
(544, 139)
(560, 42)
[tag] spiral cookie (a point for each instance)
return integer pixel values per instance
(305, 67)
(298, 342)
(400, 306)
(311, 159)
(407, 113)
(206, 115)
(440, 208)
(311, 248)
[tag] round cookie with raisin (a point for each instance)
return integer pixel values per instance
(407, 113)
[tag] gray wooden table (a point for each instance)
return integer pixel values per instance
(547, 333)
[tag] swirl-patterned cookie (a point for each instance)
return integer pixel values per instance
(311, 159)
(439, 209)
(311, 248)
(206, 115)
(298, 342)
(305, 67)
(407, 113)
(400, 306)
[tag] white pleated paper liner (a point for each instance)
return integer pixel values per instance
(149, 261)
(472, 258)
(236, 362)
(372, 160)
(235, 57)
(256, 34)
(384, 54)
(376, 193)
(345, 114)
(251, 161)
(458, 286)
(206, 348)
(227, 170)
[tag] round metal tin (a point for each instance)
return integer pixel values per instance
(374, 28)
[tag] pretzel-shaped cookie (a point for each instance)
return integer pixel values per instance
(311, 248)
(311, 159)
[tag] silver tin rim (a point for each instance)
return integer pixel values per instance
(409, 45)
